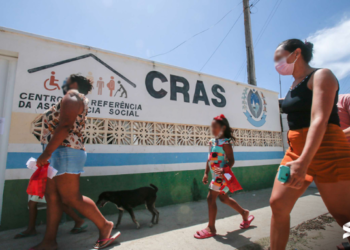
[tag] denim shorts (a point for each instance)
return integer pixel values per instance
(68, 160)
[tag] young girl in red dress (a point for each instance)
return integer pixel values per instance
(220, 162)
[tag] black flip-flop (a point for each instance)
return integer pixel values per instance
(78, 230)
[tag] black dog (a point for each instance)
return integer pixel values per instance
(128, 199)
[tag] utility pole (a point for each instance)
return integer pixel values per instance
(280, 86)
(249, 44)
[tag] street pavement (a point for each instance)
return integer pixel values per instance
(178, 223)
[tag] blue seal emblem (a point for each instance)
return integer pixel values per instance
(254, 106)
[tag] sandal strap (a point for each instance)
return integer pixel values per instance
(203, 232)
(103, 240)
(80, 228)
(250, 219)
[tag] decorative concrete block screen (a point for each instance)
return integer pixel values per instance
(125, 132)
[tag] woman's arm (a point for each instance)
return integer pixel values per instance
(206, 171)
(229, 154)
(347, 132)
(346, 105)
(324, 89)
(71, 107)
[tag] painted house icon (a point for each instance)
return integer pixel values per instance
(33, 70)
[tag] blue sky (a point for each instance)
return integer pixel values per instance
(144, 28)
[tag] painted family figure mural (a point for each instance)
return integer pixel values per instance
(111, 86)
(100, 84)
(122, 91)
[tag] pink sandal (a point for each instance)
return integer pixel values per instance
(108, 241)
(203, 234)
(246, 223)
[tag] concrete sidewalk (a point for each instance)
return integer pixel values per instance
(178, 223)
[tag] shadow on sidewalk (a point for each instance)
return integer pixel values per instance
(235, 238)
(185, 215)
(174, 217)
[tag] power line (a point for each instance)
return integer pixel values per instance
(250, 6)
(268, 20)
(240, 70)
(221, 41)
(263, 29)
(193, 36)
(255, 3)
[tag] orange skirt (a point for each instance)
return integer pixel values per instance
(332, 160)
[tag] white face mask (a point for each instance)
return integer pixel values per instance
(284, 68)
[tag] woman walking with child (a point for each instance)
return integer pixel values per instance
(220, 162)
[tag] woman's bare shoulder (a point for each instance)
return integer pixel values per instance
(324, 72)
(325, 78)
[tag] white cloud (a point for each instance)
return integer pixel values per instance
(332, 48)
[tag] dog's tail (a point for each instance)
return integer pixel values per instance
(154, 187)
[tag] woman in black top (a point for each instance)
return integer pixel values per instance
(318, 148)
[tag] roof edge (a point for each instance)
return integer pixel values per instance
(19, 32)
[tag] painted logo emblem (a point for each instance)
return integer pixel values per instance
(254, 106)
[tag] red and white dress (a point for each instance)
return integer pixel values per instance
(217, 159)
